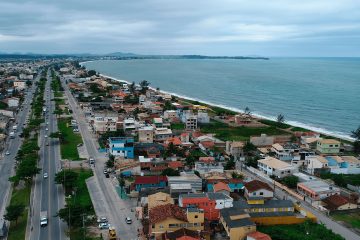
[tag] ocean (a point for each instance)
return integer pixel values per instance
(321, 94)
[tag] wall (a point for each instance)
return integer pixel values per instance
(281, 220)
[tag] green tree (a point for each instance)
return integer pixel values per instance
(247, 111)
(27, 168)
(3, 105)
(249, 147)
(251, 161)
(13, 212)
(67, 178)
(132, 87)
(144, 86)
(28, 83)
(111, 162)
(91, 73)
(230, 164)
(236, 175)
(280, 118)
(290, 181)
(170, 172)
(356, 134)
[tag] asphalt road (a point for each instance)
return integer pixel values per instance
(12, 145)
(108, 202)
(321, 217)
(48, 196)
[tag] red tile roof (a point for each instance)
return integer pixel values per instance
(160, 213)
(255, 185)
(259, 236)
(175, 164)
(221, 186)
(208, 144)
(150, 179)
(174, 140)
(182, 234)
(335, 201)
(207, 159)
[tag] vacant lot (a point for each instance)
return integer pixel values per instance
(225, 132)
(69, 140)
(353, 219)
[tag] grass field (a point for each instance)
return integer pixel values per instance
(352, 219)
(177, 126)
(225, 132)
(70, 141)
(304, 231)
(22, 196)
(58, 94)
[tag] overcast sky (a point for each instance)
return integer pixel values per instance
(209, 27)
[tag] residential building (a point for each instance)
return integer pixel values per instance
(337, 202)
(204, 168)
(159, 199)
(274, 167)
(221, 187)
(187, 178)
(256, 190)
(191, 122)
(257, 236)
(328, 146)
(121, 146)
(262, 141)
(184, 234)
(158, 122)
(20, 85)
(103, 124)
(235, 185)
(237, 223)
(142, 182)
(314, 191)
(170, 114)
(146, 134)
(162, 134)
(343, 164)
(313, 163)
(235, 148)
(203, 117)
(211, 203)
(129, 124)
(12, 102)
(169, 218)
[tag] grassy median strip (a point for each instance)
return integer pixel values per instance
(18, 228)
(79, 205)
(69, 140)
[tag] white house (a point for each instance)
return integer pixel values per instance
(256, 189)
(13, 102)
(315, 162)
(129, 124)
(272, 166)
(105, 124)
(19, 85)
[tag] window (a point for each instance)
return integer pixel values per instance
(254, 194)
(196, 216)
(173, 225)
(261, 193)
(153, 226)
(161, 226)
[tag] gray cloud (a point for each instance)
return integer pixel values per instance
(212, 27)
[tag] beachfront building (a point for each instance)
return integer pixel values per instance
(274, 167)
(328, 146)
(343, 164)
(121, 146)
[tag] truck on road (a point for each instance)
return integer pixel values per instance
(43, 218)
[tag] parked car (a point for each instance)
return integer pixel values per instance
(107, 175)
(102, 220)
(7, 153)
(45, 175)
(104, 225)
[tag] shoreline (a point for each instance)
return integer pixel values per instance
(322, 131)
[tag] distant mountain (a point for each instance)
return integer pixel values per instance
(121, 54)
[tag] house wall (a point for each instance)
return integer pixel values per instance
(146, 136)
(347, 206)
(173, 224)
(238, 233)
(281, 220)
(209, 206)
(138, 187)
(328, 148)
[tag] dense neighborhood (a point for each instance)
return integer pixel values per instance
(138, 163)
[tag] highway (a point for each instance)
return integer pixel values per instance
(108, 203)
(46, 195)
(12, 145)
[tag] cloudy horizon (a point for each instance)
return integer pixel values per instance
(228, 27)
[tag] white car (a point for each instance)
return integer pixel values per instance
(45, 136)
(104, 225)
(7, 153)
(46, 129)
(102, 220)
(128, 220)
(45, 175)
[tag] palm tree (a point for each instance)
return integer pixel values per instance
(280, 118)
(356, 134)
(247, 111)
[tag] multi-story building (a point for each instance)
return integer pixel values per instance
(20, 85)
(162, 134)
(191, 122)
(121, 146)
(315, 191)
(103, 124)
(169, 218)
(129, 124)
(187, 178)
(146, 134)
(274, 167)
(328, 146)
(211, 203)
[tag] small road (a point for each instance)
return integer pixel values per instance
(7, 162)
(107, 203)
(46, 195)
(321, 217)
